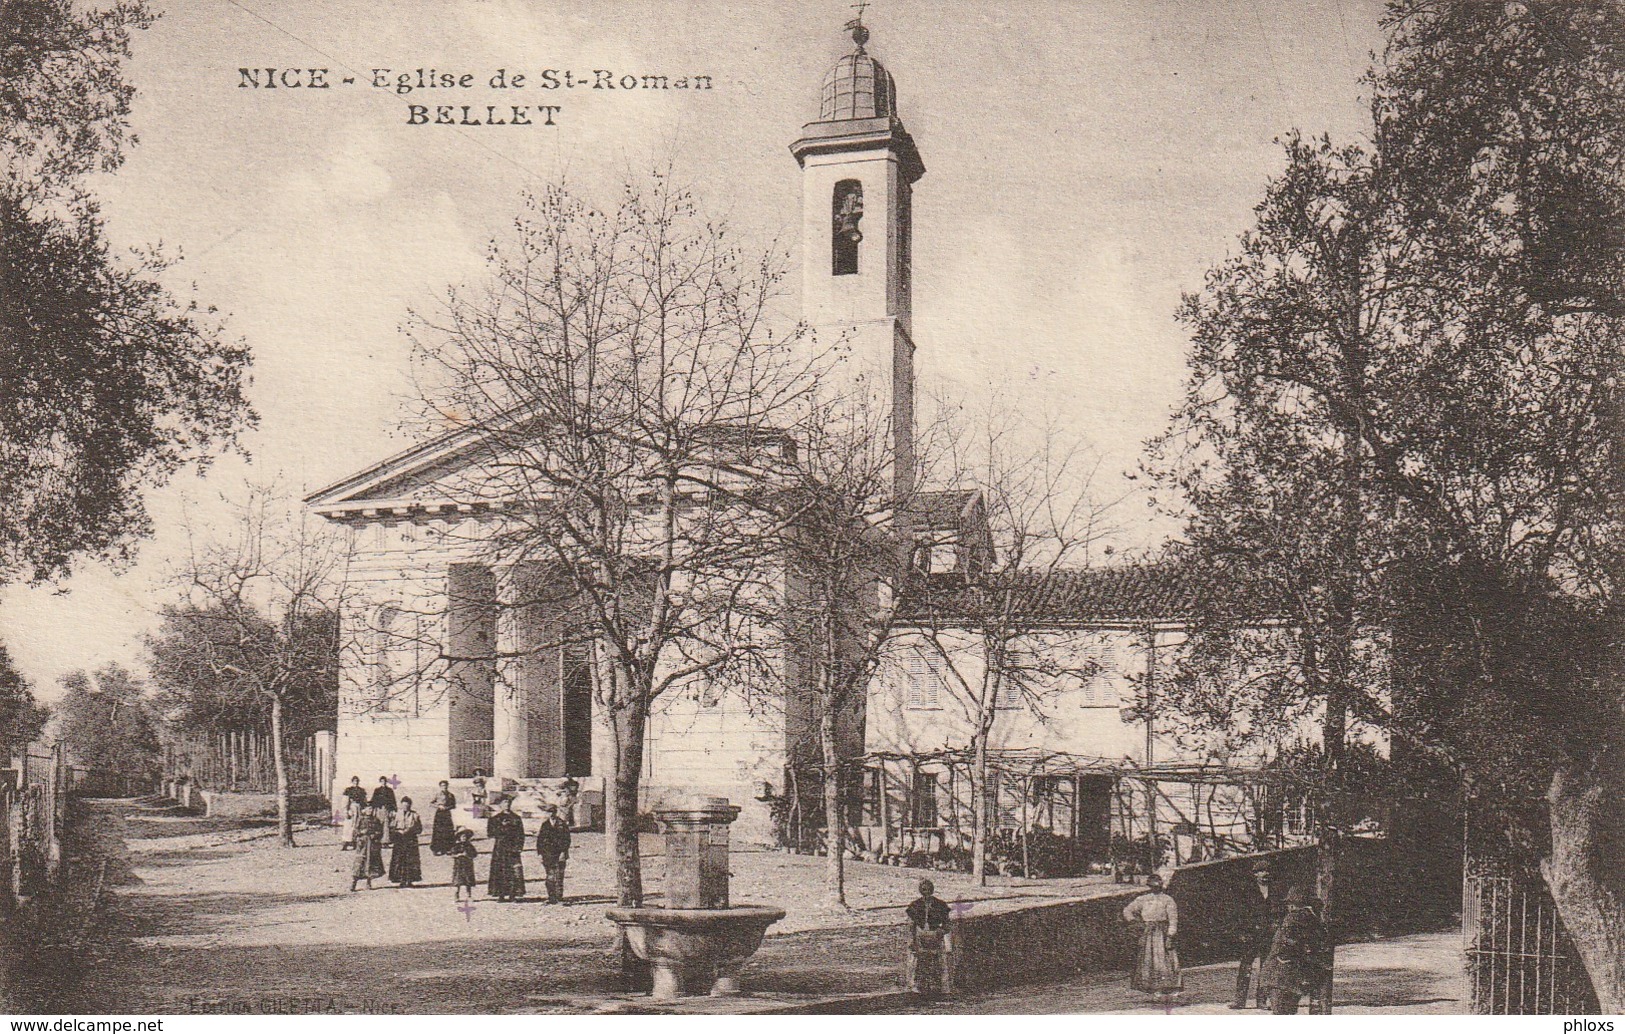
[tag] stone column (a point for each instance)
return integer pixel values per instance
(510, 711)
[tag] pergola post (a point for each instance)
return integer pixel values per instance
(885, 812)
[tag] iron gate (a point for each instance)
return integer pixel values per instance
(1519, 957)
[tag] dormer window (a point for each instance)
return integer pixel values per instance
(845, 235)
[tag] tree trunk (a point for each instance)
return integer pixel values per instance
(279, 759)
(834, 826)
(627, 777)
(978, 814)
(1586, 871)
(621, 819)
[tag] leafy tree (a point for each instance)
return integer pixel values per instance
(256, 631)
(112, 384)
(190, 696)
(107, 724)
(21, 715)
(1403, 427)
(1501, 130)
(1270, 453)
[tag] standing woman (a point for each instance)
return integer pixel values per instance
(1156, 969)
(383, 799)
(444, 837)
(355, 799)
(369, 847)
(405, 865)
(507, 879)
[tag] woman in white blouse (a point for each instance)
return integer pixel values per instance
(1156, 970)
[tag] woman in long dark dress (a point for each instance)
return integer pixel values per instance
(507, 879)
(444, 837)
(405, 865)
(369, 848)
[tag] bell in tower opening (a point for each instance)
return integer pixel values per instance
(846, 235)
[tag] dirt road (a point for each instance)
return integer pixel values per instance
(215, 917)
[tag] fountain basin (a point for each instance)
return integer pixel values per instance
(696, 950)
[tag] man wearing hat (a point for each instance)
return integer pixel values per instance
(553, 844)
(930, 945)
(1262, 914)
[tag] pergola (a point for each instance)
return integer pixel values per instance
(1170, 794)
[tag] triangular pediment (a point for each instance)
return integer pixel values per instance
(476, 469)
(453, 471)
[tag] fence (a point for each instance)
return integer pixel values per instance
(470, 758)
(1520, 958)
(242, 762)
(33, 813)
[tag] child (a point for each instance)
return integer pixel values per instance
(463, 854)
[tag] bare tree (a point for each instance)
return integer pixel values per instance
(989, 616)
(845, 510)
(256, 619)
(629, 401)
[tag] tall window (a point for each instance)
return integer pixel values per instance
(394, 660)
(923, 798)
(1021, 666)
(1100, 689)
(924, 685)
(845, 234)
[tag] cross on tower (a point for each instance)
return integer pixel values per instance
(860, 34)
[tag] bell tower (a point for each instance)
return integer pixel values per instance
(858, 170)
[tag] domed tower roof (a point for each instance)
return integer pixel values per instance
(857, 111)
(858, 86)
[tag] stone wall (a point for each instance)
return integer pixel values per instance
(1045, 942)
(249, 805)
(1051, 942)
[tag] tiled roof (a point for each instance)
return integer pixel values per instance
(934, 510)
(1105, 595)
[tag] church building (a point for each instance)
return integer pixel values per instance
(446, 674)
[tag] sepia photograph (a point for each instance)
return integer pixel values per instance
(889, 508)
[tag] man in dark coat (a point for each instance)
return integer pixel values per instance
(506, 881)
(1300, 956)
(1263, 912)
(930, 948)
(553, 844)
(383, 797)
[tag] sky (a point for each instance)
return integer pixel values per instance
(1087, 161)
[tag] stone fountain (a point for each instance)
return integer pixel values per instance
(698, 942)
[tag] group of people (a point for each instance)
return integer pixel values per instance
(371, 820)
(1286, 936)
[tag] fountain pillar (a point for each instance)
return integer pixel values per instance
(698, 941)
